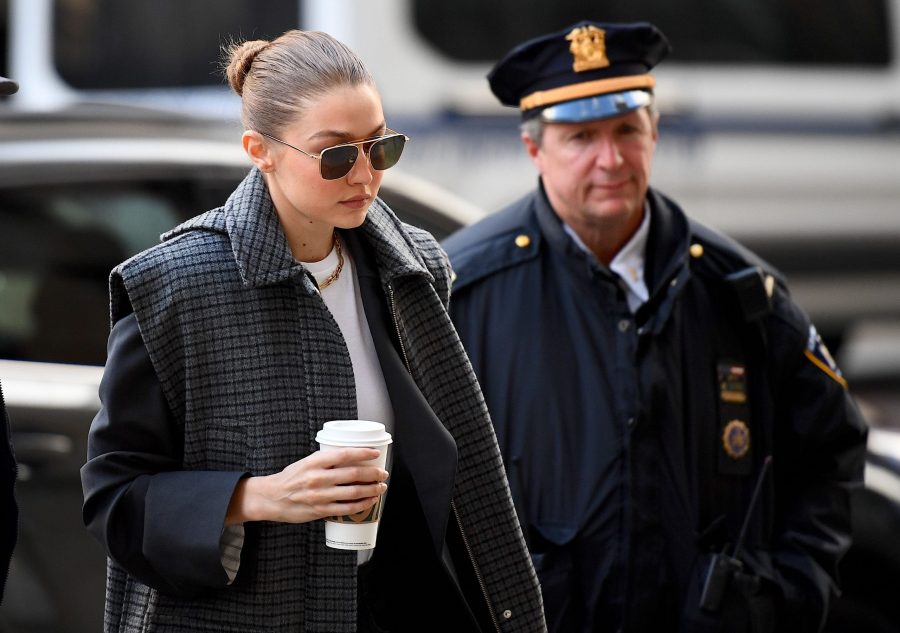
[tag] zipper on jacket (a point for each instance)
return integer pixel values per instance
(397, 327)
(465, 541)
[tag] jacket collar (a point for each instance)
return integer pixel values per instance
(668, 244)
(554, 232)
(667, 269)
(261, 249)
(395, 252)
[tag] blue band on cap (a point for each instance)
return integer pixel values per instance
(597, 107)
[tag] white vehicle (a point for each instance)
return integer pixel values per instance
(781, 127)
(781, 118)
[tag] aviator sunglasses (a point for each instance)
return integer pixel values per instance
(336, 162)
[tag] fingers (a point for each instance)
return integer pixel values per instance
(341, 467)
(343, 457)
(353, 474)
(343, 508)
(319, 496)
(325, 483)
(355, 492)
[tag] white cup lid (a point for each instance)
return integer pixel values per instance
(353, 433)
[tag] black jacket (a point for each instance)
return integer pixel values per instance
(633, 441)
(9, 511)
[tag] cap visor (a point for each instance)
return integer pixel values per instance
(597, 107)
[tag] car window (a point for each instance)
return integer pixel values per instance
(59, 242)
(57, 247)
(796, 32)
(103, 44)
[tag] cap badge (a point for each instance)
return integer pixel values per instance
(736, 439)
(588, 47)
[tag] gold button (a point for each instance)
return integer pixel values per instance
(522, 241)
(770, 285)
(696, 250)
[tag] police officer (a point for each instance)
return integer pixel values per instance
(9, 512)
(641, 369)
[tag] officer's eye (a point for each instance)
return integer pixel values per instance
(581, 136)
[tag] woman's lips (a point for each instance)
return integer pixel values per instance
(356, 202)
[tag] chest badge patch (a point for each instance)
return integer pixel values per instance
(732, 383)
(736, 439)
(735, 454)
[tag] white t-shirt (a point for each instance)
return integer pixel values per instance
(345, 303)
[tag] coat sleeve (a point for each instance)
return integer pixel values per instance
(161, 524)
(821, 440)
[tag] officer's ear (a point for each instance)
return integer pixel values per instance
(654, 122)
(531, 146)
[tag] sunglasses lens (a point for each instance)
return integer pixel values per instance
(386, 152)
(336, 162)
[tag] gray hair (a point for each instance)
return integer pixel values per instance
(533, 128)
(276, 79)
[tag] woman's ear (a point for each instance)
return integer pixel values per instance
(259, 151)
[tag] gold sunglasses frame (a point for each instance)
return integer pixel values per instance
(389, 133)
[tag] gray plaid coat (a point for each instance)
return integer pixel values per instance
(252, 365)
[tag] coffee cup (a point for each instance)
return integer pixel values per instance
(355, 531)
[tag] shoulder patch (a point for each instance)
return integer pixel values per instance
(818, 355)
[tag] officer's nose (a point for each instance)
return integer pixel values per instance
(607, 154)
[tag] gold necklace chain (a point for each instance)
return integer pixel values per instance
(330, 279)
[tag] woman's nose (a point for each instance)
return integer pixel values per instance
(361, 172)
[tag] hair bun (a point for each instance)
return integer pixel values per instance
(241, 56)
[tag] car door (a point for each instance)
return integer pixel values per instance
(58, 242)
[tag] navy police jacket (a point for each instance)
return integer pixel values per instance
(633, 442)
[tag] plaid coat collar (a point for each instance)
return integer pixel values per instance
(261, 249)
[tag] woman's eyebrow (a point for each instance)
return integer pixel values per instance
(345, 136)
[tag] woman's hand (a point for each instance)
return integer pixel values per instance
(326, 483)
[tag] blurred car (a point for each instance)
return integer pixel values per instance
(83, 189)
(80, 191)
(870, 359)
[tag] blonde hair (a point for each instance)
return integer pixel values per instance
(276, 79)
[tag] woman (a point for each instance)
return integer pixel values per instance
(303, 299)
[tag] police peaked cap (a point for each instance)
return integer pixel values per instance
(588, 71)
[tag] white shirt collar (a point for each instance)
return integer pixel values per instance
(629, 262)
